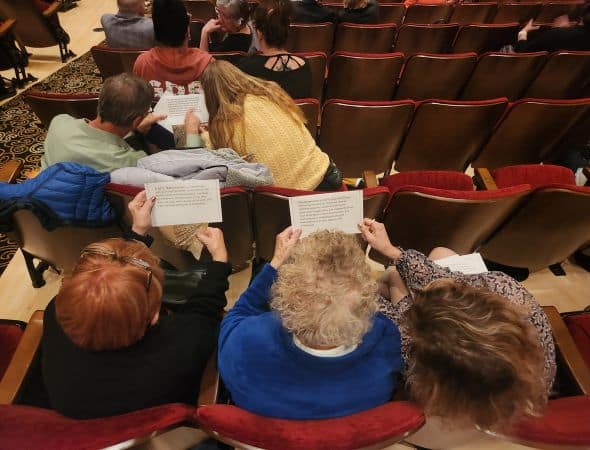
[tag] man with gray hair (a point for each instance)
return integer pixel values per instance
(123, 107)
(129, 28)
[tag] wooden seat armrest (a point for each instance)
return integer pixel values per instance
(370, 178)
(209, 382)
(571, 355)
(586, 172)
(52, 9)
(10, 171)
(6, 26)
(20, 364)
(484, 180)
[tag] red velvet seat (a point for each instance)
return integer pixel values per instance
(503, 75)
(236, 227)
(564, 76)
(429, 209)
(25, 427)
(113, 61)
(481, 38)
(425, 38)
(310, 37)
(375, 428)
(361, 136)
(47, 105)
(435, 76)
(361, 38)
(310, 107)
(550, 225)
(520, 12)
(425, 14)
(361, 76)
(271, 212)
(447, 135)
(531, 131)
(467, 13)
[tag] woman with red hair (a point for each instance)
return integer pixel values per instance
(107, 350)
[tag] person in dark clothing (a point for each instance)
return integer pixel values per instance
(105, 348)
(310, 11)
(359, 11)
(274, 63)
(575, 37)
(232, 19)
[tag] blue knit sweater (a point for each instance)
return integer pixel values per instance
(267, 374)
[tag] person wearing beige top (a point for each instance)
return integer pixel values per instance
(262, 124)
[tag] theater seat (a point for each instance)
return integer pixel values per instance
(271, 213)
(361, 136)
(361, 38)
(425, 14)
(564, 424)
(113, 61)
(310, 37)
(481, 38)
(47, 105)
(467, 13)
(549, 226)
(310, 107)
(564, 76)
(374, 429)
(449, 214)
(425, 38)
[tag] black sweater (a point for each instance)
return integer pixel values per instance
(554, 39)
(164, 367)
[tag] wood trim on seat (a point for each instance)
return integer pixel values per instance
(20, 364)
(10, 170)
(483, 179)
(52, 9)
(564, 341)
(209, 382)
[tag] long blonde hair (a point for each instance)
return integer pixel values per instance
(225, 88)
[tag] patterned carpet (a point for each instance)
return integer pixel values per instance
(21, 133)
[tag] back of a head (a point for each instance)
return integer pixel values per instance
(272, 19)
(123, 98)
(170, 22)
(474, 357)
(107, 303)
(355, 4)
(324, 293)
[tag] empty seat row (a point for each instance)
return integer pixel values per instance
(444, 134)
(466, 76)
(512, 225)
(409, 38)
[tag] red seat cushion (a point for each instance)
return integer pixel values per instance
(438, 179)
(10, 335)
(380, 424)
(565, 422)
(25, 427)
(579, 327)
(533, 174)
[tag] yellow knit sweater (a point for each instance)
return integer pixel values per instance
(274, 139)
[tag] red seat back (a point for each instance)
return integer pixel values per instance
(467, 13)
(425, 14)
(359, 76)
(425, 38)
(200, 9)
(391, 13)
(318, 62)
(310, 107)
(520, 12)
(481, 38)
(361, 136)
(564, 76)
(447, 135)
(310, 37)
(47, 105)
(359, 38)
(113, 61)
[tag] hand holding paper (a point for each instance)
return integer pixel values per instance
(339, 211)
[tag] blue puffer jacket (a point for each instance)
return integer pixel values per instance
(64, 194)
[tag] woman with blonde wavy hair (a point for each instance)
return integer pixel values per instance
(305, 340)
(263, 124)
(478, 348)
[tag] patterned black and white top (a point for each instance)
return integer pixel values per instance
(418, 271)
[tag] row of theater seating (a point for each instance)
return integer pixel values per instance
(425, 135)
(461, 13)
(562, 426)
(386, 76)
(421, 210)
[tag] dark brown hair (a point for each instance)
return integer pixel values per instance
(475, 356)
(271, 18)
(105, 304)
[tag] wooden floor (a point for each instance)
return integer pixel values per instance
(18, 299)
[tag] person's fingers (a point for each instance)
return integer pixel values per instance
(158, 117)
